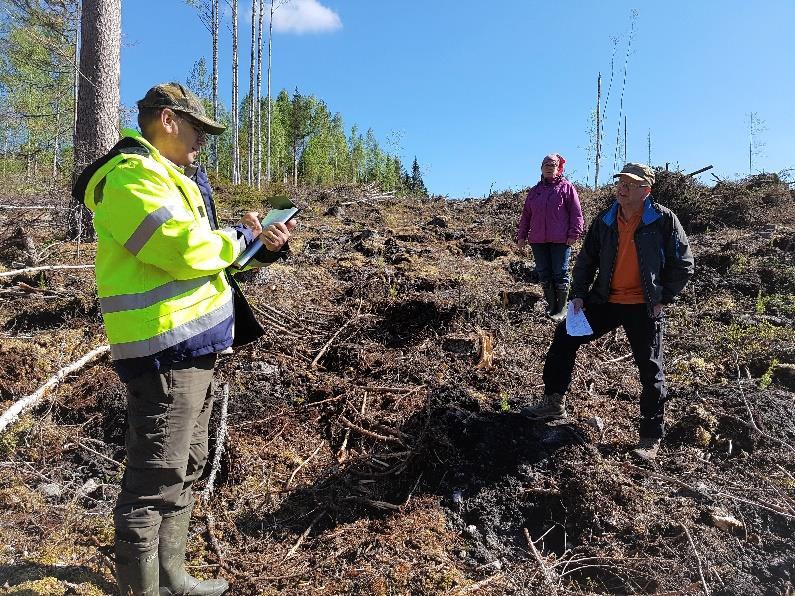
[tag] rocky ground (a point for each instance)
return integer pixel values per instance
(373, 441)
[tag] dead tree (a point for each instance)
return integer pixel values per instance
(97, 128)
(214, 31)
(235, 116)
(258, 110)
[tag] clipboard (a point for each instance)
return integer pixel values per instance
(283, 211)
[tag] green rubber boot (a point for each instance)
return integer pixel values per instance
(549, 296)
(174, 580)
(561, 302)
(136, 568)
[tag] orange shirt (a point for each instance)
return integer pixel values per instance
(625, 287)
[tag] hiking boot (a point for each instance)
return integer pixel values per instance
(647, 448)
(550, 407)
(549, 296)
(173, 577)
(136, 568)
(561, 302)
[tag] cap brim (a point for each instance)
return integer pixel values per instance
(633, 176)
(209, 125)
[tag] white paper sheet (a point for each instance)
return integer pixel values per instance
(577, 323)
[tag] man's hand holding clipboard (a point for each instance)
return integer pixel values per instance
(273, 231)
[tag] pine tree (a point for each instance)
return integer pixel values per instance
(98, 98)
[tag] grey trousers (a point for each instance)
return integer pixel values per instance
(168, 414)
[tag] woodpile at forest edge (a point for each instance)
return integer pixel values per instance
(373, 440)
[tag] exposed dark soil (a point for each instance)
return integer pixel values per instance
(375, 444)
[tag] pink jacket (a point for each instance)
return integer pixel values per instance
(551, 213)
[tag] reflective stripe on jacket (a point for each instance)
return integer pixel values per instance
(664, 257)
(159, 264)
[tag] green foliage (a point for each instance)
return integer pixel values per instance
(504, 405)
(307, 138)
(760, 304)
(767, 377)
(37, 45)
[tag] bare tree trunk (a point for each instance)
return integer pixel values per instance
(258, 111)
(625, 138)
(598, 131)
(57, 140)
(270, 38)
(235, 116)
(251, 98)
(77, 71)
(97, 127)
(215, 23)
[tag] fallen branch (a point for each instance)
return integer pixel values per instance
(547, 572)
(273, 323)
(619, 359)
(34, 398)
(369, 433)
(698, 559)
(303, 463)
(474, 588)
(110, 460)
(377, 504)
(303, 536)
(42, 268)
(31, 207)
(717, 493)
(325, 348)
(751, 421)
(219, 444)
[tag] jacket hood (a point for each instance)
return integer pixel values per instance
(89, 184)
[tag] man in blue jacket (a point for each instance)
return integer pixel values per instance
(640, 258)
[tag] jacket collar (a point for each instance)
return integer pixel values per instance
(650, 213)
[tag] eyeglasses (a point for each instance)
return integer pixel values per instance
(623, 184)
(199, 131)
(549, 163)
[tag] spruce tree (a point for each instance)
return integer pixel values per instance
(416, 185)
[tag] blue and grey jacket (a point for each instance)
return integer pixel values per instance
(664, 257)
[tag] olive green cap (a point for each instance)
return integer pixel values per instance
(181, 99)
(637, 171)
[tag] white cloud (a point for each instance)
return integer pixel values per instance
(305, 16)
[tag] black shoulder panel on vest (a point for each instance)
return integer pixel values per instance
(126, 145)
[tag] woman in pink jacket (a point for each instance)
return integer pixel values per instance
(551, 223)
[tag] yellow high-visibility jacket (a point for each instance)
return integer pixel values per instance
(159, 264)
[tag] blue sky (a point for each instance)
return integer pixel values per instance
(480, 92)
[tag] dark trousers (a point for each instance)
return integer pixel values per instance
(552, 262)
(645, 335)
(167, 442)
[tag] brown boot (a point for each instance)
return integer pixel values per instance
(647, 448)
(550, 407)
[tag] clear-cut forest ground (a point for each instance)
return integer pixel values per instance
(374, 444)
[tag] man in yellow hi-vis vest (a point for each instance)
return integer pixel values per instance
(169, 308)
